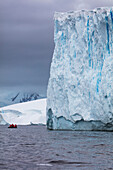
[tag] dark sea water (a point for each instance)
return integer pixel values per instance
(34, 147)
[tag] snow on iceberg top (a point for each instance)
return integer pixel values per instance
(61, 16)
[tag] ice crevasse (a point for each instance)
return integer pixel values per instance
(80, 88)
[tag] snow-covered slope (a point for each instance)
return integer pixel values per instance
(80, 89)
(24, 113)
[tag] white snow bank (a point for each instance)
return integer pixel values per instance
(25, 113)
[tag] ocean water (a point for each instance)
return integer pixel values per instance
(34, 147)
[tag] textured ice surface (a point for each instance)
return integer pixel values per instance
(80, 89)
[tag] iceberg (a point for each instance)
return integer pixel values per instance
(80, 87)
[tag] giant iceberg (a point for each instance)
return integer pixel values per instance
(80, 88)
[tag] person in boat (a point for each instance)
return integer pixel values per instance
(13, 126)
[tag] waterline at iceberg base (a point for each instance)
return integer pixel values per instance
(80, 88)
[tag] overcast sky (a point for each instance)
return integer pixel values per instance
(26, 38)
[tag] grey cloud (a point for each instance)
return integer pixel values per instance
(26, 37)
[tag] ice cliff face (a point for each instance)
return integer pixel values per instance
(80, 89)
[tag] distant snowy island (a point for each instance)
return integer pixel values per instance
(33, 112)
(80, 89)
